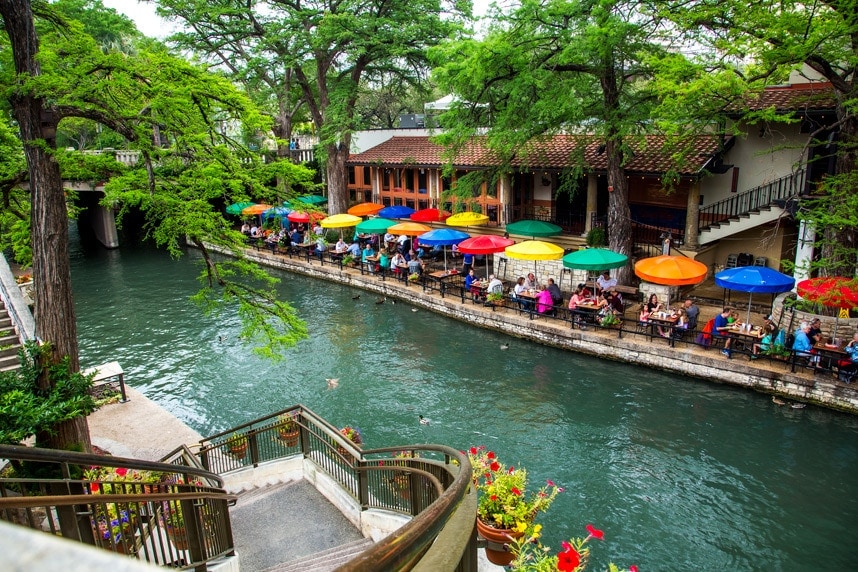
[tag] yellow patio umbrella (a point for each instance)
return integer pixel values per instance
(534, 250)
(340, 221)
(468, 218)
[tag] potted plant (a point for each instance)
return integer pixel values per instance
(288, 429)
(506, 510)
(348, 259)
(353, 435)
(400, 478)
(113, 524)
(174, 519)
(532, 556)
(237, 445)
(777, 351)
(596, 237)
(609, 320)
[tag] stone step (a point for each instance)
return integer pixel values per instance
(10, 349)
(9, 362)
(326, 560)
(5, 323)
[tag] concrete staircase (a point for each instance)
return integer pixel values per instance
(740, 223)
(10, 345)
(291, 526)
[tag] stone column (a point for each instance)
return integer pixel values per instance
(104, 226)
(692, 216)
(804, 250)
(592, 203)
(504, 196)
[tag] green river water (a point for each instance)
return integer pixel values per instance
(681, 474)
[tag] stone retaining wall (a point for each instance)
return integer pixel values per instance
(692, 361)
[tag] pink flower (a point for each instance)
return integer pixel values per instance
(549, 482)
(121, 471)
(633, 568)
(595, 532)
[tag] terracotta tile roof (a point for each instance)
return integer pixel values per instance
(805, 97)
(556, 152)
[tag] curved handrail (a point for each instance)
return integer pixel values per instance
(442, 470)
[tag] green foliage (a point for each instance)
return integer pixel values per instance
(26, 409)
(596, 237)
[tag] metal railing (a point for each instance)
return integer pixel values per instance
(429, 482)
(573, 223)
(171, 513)
(16, 306)
(752, 200)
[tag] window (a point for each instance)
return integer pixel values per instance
(367, 176)
(352, 175)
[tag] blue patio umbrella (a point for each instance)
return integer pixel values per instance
(276, 212)
(754, 279)
(396, 211)
(442, 237)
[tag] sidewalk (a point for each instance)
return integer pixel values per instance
(139, 428)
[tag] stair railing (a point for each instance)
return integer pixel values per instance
(752, 200)
(429, 482)
(171, 514)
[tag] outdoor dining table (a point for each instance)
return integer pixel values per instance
(664, 320)
(830, 355)
(445, 278)
(589, 312)
(743, 335)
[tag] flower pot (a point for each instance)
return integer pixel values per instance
(499, 539)
(239, 451)
(179, 537)
(289, 438)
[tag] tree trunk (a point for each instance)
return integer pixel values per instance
(619, 215)
(338, 191)
(54, 303)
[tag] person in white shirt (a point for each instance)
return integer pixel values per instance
(495, 285)
(605, 281)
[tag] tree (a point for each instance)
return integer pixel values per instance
(328, 49)
(761, 43)
(60, 72)
(559, 66)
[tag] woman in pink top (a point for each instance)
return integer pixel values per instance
(577, 298)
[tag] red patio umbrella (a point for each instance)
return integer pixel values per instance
(430, 215)
(831, 291)
(485, 244)
(304, 217)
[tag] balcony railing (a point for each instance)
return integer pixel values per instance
(172, 514)
(752, 200)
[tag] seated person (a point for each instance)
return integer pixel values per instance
(616, 302)
(556, 295)
(517, 291)
(297, 238)
(605, 282)
(395, 261)
(682, 319)
(271, 241)
(644, 314)
(383, 261)
(765, 342)
(495, 285)
(721, 327)
(367, 252)
(353, 249)
(653, 305)
(585, 291)
(544, 303)
(389, 237)
(692, 311)
(815, 333)
(341, 246)
(846, 371)
(802, 345)
(245, 229)
(470, 278)
(531, 283)
(577, 298)
(415, 266)
(321, 247)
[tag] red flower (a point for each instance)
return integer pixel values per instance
(494, 497)
(549, 482)
(516, 492)
(569, 559)
(94, 487)
(495, 466)
(490, 455)
(633, 568)
(121, 471)
(595, 532)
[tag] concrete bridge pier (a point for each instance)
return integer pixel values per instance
(103, 223)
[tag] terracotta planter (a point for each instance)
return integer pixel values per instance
(289, 438)
(179, 537)
(499, 540)
(239, 451)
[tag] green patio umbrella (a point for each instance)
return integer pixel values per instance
(375, 225)
(236, 208)
(312, 199)
(594, 259)
(533, 228)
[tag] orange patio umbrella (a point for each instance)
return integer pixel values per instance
(671, 270)
(409, 228)
(365, 209)
(255, 209)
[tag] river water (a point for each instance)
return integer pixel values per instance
(681, 474)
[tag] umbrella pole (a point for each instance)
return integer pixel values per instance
(445, 258)
(487, 265)
(750, 297)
